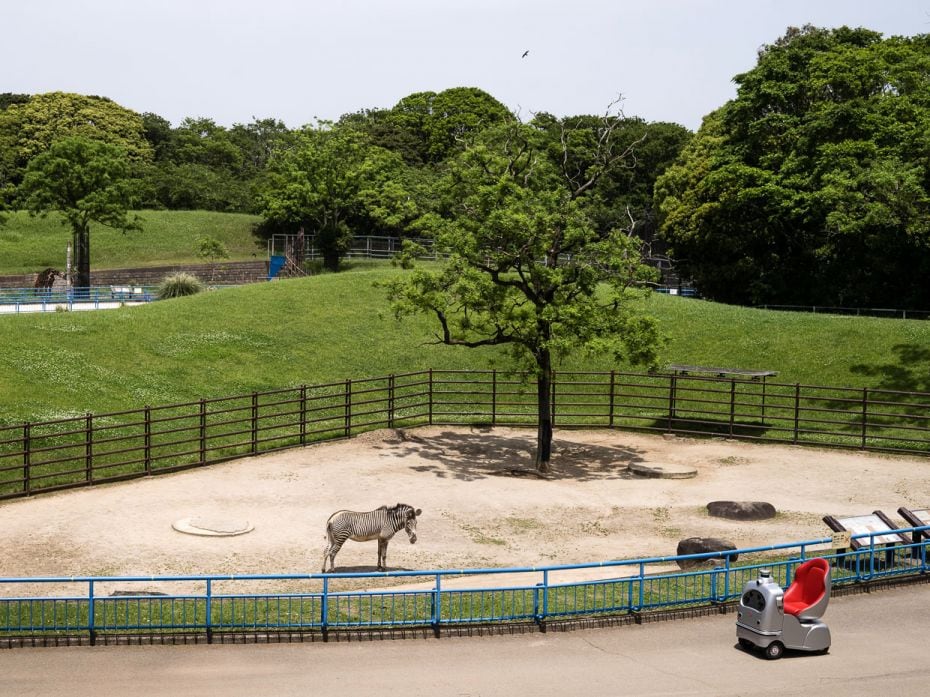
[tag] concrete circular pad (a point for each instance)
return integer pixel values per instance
(212, 527)
(663, 471)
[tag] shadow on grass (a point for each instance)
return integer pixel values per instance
(909, 372)
(483, 453)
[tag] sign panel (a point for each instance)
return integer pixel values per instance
(859, 524)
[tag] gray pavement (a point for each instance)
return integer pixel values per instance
(877, 649)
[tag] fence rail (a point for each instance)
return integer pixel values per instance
(212, 606)
(19, 300)
(894, 313)
(46, 456)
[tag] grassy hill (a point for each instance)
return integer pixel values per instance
(29, 244)
(337, 326)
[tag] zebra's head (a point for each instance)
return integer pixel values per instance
(409, 515)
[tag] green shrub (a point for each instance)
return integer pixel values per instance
(178, 285)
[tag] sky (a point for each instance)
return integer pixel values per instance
(303, 60)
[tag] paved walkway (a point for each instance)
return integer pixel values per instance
(877, 649)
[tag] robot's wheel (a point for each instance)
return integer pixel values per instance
(774, 650)
(746, 644)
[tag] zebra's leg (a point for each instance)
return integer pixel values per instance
(382, 554)
(332, 549)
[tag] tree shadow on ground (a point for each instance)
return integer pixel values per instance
(910, 372)
(482, 453)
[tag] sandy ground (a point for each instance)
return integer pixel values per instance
(480, 507)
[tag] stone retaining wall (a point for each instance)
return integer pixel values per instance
(225, 273)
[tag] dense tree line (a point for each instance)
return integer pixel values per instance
(369, 172)
(811, 186)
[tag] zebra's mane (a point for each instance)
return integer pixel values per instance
(394, 507)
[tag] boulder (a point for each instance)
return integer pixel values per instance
(702, 545)
(741, 510)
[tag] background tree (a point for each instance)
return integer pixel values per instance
(28, 128)
(9, 98)
(87, 182)
(623, 192)
(527, 266)
(811, 186)
(428, 127)
(334, 183)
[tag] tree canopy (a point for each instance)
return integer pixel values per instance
(334, 182)
(29, 127)
(527, 266)
(429, 127)
(87, 181)
(811, 186)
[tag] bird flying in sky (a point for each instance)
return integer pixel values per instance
(525, 54)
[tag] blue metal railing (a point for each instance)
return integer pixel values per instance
(17, 300)
(210, 604)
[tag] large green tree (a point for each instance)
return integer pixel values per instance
(428, 127)
(528, 268)
(812, 185)
(86, 181)
(28, 128)
(333, 182)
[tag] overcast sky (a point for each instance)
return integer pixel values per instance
(299, 60)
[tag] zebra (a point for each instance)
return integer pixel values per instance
(379, 524)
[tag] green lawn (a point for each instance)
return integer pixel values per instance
(336, 326)
(29, 244)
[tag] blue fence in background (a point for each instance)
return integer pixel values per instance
(210, 606)
(16, 300)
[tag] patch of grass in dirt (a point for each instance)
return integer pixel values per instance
(479, 537)
(731, 460)
(522, 524)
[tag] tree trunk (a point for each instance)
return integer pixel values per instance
(331, 241)
(331, 259)
(544, 411)
(82, 259)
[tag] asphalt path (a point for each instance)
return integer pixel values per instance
(878, 649)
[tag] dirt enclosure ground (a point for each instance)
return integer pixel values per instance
(481, 507)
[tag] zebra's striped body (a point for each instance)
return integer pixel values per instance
(379, 524)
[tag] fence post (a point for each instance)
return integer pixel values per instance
(348, 409)
(254, 422)
(391, 401)
(436, 610)
(147, 439)
(430, 396)
(611, 398)
(732, 404)
(27, 458)
(552, 399)
(209, 611)
(494, 397)
(91, 624)
(545, 598)
(672, 388)
(324, 609)
(89, 447)
(303, 414)
(865, 414)
(203, 430)
(797, 410)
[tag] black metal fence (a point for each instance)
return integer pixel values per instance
(95, 448)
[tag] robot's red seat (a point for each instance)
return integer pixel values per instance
(809, 593)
